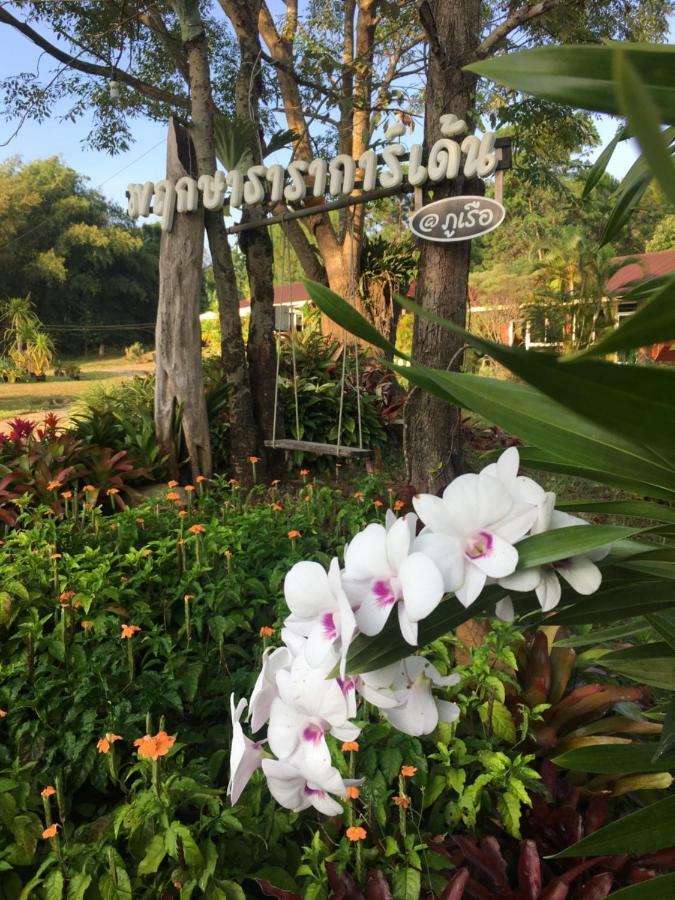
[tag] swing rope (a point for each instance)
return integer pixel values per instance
(288, 305)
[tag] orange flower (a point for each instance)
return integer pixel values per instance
(233, 482)
(355, 833)
(228, 554)
(189, 488)
(172, 496)
(48, 791)
(154, 747)
(353, 792)
(172, 484)
(276, 482)
(254, 459)
(402, 800)
(51, 831)
(378, 503)
(294, 534)
(304, 472)
(3, 713)
(197, 529)
(266, 631)
(66, 495)
(398, 505)
(128, 631)
(200, 479)
(53, 485)
(112, 491)
(140, 520)
(408, 771)
(86, 623)
(182, 513)
(277, 507)
(146, 553)
(89, 488)
(189, 597)
(56, 556)
(306, 498)
(359, 495)
(66, 596)
(103, 746)
(350, 745)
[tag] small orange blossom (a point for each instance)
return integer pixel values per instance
(266, 631)
(128, 631)
(353, 792)
(350, 745)
(51, 831)
(356, 833)
(408, 771)
(48, 791)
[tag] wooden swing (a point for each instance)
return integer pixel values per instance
(315, 447)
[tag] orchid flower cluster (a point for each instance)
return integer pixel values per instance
(469, 538)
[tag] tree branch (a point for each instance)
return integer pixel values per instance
(88, 68)
(517, 18)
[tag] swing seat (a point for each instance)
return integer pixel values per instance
(319, 449)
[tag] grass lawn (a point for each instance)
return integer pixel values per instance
(59, 393)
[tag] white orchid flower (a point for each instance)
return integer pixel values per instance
(320, 611)
(382, 571)
(308, 707)
(245, 755)
(580, 572)
(297, 784)
(265, 690)
(409, 683)
(471, 531)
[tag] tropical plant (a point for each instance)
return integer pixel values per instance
(588, 417)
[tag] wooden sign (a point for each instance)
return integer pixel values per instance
(457, 218)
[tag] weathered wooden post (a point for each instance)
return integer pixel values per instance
(178, 331)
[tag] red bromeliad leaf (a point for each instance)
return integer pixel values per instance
(269, 890)
(529, 870)
(456, 885)
(378, 886)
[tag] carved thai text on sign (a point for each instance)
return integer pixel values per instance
(449, 157)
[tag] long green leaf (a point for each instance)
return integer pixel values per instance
(642, 509)
(628, 197)
(652, 664)
(653, 321)
(631, 401)
(615, 759)
(655, 889)
(615, 602)
(562, 543)
(582, 76)
(645, 831)
(667, 741)
(595, 637)
(644, 119)
(599, 167)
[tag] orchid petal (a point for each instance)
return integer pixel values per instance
(307, 590)
(421, 585)
(548, 590)
(581, 574)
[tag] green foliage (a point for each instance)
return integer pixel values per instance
(79, 257)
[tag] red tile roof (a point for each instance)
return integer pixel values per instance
(639, 267)
(295, 292)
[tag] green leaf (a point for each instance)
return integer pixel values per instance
(644, 119)
(645, 831)
(599, 167)
(154, 854)
(406, 884)
(653, 321)
(53, 886)
(628, 197)
(595, 637)
(614, 602)
(498, 720)
(615, 759)
(434, 789)
(664, 624)
(667, 741)
(561, 543)
(232, 137)
(651, 664)
(77, 886)
(642, 509)
(390, 761)
(582, 76)
(232, 890)
(655, 889)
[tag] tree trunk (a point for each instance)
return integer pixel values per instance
(178, 332)
(257, 244)
(245, 440)
(433, 433)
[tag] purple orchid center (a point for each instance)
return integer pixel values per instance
(384, 593)
(480, 545)
(312, 734)
(313, 792)
(347, 684)
(329, 629)
(562, 564)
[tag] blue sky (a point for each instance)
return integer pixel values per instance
(145, 159)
